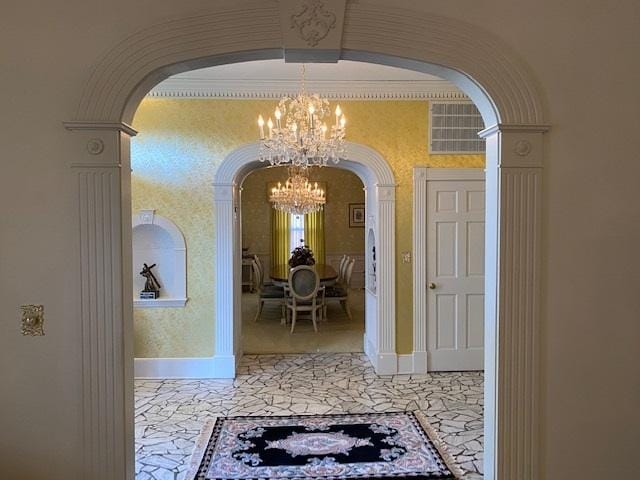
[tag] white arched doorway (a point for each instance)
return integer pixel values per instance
(495, 77)
(380, 318)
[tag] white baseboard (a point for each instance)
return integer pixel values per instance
(387, 364)
(405, 363)
(225, 366)
(420, 362)
(383, 363)
(370, 352)
(204, 367)
(391, 363)
(412, 363)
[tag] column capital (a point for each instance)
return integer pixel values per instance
(521, 145)
(223, 192)
(386, 193)
(514, 127)
(98, 126)
(102, 145)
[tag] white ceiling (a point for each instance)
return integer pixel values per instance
(274, 78)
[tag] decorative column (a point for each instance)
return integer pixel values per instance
(387, 360)
(419, 270)
(103, 175)
(512, 301)
(225, 301)
(237, 277)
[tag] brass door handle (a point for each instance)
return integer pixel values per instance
(432, 286)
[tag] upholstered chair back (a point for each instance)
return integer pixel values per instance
(304, 282)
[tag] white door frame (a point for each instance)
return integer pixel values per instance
(380, 321)
(501, 85)
(421, 175)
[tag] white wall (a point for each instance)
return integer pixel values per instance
(585, 55)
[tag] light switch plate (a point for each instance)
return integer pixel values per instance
(32, 320)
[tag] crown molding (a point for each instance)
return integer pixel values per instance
(332, 89)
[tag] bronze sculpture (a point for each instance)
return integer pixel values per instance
(151, 285)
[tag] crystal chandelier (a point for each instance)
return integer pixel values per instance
(297, 196)
(300, 135)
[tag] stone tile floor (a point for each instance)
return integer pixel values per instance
(169, 413)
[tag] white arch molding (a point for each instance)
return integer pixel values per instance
(479, 63)
(380, 321)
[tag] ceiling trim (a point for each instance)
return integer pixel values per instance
(332, 89)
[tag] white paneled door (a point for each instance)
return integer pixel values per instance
(455, 274)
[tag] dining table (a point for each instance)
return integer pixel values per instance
(280, 273)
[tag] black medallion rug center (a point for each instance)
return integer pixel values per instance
(327, 447)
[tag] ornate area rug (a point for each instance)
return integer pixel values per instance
(373, 446)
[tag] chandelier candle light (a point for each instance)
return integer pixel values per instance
(300, 135)
(297, 196)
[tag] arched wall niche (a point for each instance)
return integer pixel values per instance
(157, 240)
(477, 61)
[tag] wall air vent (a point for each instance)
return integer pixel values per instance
(454, 128)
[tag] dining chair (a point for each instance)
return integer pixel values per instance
(267, 293)
(256, 259)
(304, 294)
(340, 293)
(343, 260)
(343, 270)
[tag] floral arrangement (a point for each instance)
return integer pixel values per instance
(301, 255)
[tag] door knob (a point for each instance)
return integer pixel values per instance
(432, 286)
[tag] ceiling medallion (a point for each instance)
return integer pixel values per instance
(297, 196)
(300, 135)
(313, 22)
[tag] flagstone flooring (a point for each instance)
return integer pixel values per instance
(169, 413)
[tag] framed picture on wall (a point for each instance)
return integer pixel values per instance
(356, 215)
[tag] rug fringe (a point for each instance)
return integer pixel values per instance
(439, 444)
(200, 447)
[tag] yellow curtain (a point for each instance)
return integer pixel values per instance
(280, 222)
(314, 234)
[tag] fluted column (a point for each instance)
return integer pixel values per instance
(226, 234)
(419, 270)
(386, 290)
(512, 305)
(103, 175)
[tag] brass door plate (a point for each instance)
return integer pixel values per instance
(32, 320)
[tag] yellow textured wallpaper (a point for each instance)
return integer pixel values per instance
(175, 156)
(342, 187)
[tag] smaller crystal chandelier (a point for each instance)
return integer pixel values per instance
(297, 196)
(300, 135)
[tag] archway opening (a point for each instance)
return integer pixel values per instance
(335, 241)
(511, 104)
(379, 182)
(375, 172)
